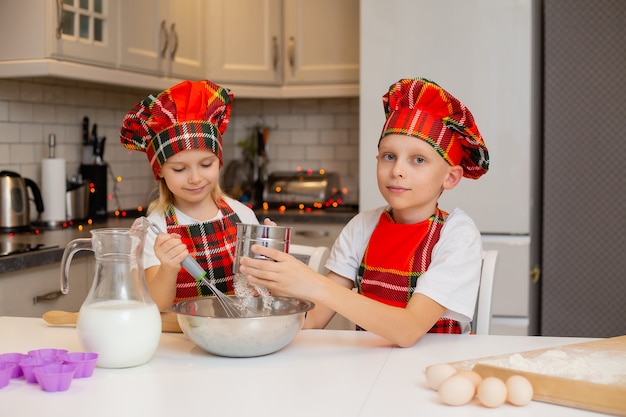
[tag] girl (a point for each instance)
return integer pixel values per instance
(180, 130)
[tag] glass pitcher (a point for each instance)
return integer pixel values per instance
(118, 320)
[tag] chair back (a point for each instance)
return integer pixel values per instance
(482, 314)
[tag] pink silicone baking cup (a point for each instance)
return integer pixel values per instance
(85, 363)
(54, 376)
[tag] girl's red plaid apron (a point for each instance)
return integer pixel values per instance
(212, 244)
(395, 257)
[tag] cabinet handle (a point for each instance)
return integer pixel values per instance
(60, 13)
(275, 51)
(164, 39)
(292, 53)
(45, 298)
(174, 36)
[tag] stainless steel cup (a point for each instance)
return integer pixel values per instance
(276, 237)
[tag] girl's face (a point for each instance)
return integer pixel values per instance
(191, 176)
(411, 177)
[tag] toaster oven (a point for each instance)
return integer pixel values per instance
(291, 189)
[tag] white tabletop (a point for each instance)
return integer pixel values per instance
(321, 373)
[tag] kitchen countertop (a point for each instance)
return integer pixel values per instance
(58, 237)
(61, 237)
(322, 372)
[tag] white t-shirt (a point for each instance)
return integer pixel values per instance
(453, 277)
(246, 215)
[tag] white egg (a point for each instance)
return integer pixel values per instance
(456, 390)
(436, 374)
(491, 392)
(520, 390)
(471, 375)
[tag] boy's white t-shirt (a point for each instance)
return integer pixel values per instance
(246, 215)
(453, 277)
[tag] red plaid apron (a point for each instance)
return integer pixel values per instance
(212, 244)
(395, 257)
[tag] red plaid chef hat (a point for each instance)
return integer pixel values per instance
(419, 107)
(189, 115)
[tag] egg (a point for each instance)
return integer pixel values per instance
(471, 375)
(492, 392)
(520, 390)
(456, 390)
(436, 374)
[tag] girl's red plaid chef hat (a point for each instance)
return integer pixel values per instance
(419, 107)
(189, 115)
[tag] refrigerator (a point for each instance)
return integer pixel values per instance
(482, 52)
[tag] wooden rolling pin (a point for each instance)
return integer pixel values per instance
(169, 321)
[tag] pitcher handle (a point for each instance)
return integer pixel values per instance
(73, 247)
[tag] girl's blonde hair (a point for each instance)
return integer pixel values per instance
(165, 197)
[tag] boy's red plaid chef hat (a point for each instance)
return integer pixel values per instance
(189, 115)
(419, 107)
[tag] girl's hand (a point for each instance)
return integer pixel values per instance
(170, 250)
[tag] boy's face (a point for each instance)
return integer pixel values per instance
(411, 177)
(191, 176)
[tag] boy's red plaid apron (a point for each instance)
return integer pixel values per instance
(395, 257)
(212, 244)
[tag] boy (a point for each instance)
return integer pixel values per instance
(416, 267)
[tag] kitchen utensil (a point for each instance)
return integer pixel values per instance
(206, 323)
(276, 237)
(14, 201)
(77, 201)
(235, 307)
(118, 320)
(169, 321)
(589, 375)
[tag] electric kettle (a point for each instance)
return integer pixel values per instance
(14, 201)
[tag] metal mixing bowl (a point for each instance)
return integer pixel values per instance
(206, 323)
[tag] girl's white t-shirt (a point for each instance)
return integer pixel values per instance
(246, 215)
(453, 277)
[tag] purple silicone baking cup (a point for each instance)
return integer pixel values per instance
(85, 363)
(53, 355)
(54, 376)
(14, 358)
(29, 363)
(6, 370)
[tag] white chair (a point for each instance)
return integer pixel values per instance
(482, 313)
(313, 256)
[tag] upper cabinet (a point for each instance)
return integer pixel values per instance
(76, 30)
(310, 45)
(163, 37)
(259, 48)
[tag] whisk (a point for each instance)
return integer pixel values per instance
(234, 307)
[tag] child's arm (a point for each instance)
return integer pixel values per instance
(402, 326)
(161, 279)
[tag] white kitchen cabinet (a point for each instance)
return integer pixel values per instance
(33, 291)
(74, 30)
(163, 37)
(312, 43)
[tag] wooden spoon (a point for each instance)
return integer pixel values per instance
(169, 321)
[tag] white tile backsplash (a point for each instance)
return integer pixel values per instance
(308, 133)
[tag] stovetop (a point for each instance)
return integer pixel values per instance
(14, 248)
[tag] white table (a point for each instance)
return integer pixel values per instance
(321, 373)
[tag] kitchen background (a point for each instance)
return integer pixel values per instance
(528, 69)
(307, 133)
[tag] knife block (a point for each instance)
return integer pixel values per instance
(96, 177)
